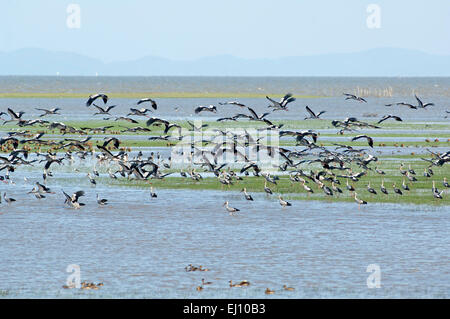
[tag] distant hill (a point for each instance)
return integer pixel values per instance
(375, 62)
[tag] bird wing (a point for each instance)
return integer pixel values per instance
(255, 116)
(110, 108)
(154, 119)
(199, 109)
(384, 119)
(285, 98)
(407, 104)
(142, 101)
(99, 108)
(77, 195)
(68, 198)
(13, 114)
(275, 103)
(310, 111)
(419, 101)
(320, 113)
(105, 150)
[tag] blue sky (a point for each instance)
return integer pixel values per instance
(122, 30)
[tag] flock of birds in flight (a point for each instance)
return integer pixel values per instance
(142, 168)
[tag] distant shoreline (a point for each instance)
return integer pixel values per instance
(48, 95)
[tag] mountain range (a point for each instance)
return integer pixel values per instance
(374, 62)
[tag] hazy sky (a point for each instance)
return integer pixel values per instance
(181, 29)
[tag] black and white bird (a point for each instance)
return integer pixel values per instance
(139, 112)
(308, 189)
(9, 200)
(103, 110)
(233, 103)
(49, 112)
(397, 190)
(445, 183)
(368, 138)
(350, 187)
(359, 201)
(153, 103)
(283, 203)
(102, 201)
(152, 193)
(370, 189)
(209, 108)
(229, 209)
(383, 189)
(93, 97)
(284, 101)
(247, 196)
(91, 179)
(354, 97)
(72, 201)
(15, 116)
(386, 117)
(267, 189)
(412, 106)
(313, 115)
(421, 104)
(405, 186)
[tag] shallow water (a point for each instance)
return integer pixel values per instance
(335, 107)
(317, 86)
(139, 246)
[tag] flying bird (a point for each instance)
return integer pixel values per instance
(210, 108)
(139, 112)
(153, 103)
(284, 101)
(103, 110)
(312, 114)
(93, 97)
(354, 97)
(386, 117)
(368, 138)
(233, 103)
(421, 104)
(49, 112)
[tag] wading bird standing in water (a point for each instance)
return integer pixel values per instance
(231, 210)
(247, 196)
(101, 201)
(283, 203)
(359, 201)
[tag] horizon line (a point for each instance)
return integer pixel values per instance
(224, 54)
